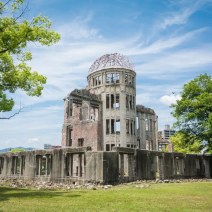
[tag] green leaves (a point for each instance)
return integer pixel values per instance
(15, 35)
(194, 111)
(5, 104)
(186, 143)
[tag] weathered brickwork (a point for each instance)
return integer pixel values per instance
(82, 120)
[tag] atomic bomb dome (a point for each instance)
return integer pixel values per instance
(114, 60)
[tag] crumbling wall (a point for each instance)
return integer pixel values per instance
(110, 167)
(194, 166)
(94, 166)
(146, 164)
(152, 164)
(80, 165)
(147, 128)
(82, 120)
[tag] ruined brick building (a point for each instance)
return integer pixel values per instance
(105, 114)
(106, 137)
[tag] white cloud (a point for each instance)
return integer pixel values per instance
(79, 28)
(169, 99)
(178, 62)
(187, 8)
(161, 45)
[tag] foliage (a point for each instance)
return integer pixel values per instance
(194, 110)
(15, 36)
(17, 150)
(158, 197)
(185, 143)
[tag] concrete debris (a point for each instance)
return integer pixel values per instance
(41, 185)
(143, 186)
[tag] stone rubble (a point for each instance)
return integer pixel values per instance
(42, 185)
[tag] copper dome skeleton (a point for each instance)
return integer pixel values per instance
(107, 61)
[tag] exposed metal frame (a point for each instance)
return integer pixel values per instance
(114, 60)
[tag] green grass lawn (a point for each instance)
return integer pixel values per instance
(157, 197)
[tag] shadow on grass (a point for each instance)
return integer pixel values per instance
(7, 193)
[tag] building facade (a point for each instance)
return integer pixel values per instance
(105, 115)
(163, 139)
(106, 137)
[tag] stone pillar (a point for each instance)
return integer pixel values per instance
(121, 164)
(207, 167)
(126, 165)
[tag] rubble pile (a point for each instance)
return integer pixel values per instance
(43, 185)
(48, 185)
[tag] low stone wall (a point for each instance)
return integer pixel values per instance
(81, 165)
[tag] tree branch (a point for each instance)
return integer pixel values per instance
(14, 114)
(22, 12)
(4, 4)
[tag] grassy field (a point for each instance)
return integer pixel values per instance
(157, 197)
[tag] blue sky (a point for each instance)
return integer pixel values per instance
(168, 41)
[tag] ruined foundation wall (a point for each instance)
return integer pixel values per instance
(81, 165)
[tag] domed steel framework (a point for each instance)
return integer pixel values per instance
(114, 60)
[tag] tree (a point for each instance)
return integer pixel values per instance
(15, 35)
(18, 149)
(185, 143)
(194, 110)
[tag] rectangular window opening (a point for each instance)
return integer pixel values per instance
(134, 126)
(22, 164)
(93, 81)
(117, 78)
(147, 124)
(133, 81)
(133, 102)
(130, 80)
(130, 102)
(109, 78)
(80, 165)
(107, 147)
(69, 108)
(80, 142)
(112, 101)
(126, 78)
(150, 125)
(131, 127)
(107, 101)
(69, 136)
(69, 164)
(117, 126)
(112, 126)
(107, 126)
(77, 170)
(99, 80)
(15, 169)
(127, 101)
(43, 165)
(112, 145)
(117, 105)
(96, 81)
(127, 126)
